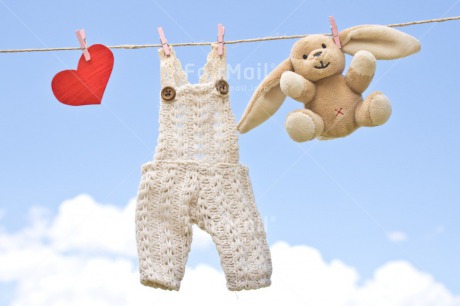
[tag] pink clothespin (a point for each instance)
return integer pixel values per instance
(335, 32)
(81, 35)
(220, 38)
(164, 42)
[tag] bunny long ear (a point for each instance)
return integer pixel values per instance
(266, 100)
(382, 41)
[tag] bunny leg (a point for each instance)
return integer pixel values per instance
(361, 71)
(304, 125)
(373, 111)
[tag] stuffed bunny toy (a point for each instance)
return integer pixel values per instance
(312, 75)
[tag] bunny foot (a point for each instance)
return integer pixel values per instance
(304, 125)
(373, 111)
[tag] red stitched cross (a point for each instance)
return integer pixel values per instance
(339, 112)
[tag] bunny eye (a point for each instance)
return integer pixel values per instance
(324, 46)
(305, 56)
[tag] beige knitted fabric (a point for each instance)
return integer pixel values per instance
(195, 177)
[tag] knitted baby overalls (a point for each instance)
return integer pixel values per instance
(195, 178)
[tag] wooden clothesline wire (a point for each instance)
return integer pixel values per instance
(228, 42)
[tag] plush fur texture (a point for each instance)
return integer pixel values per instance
(312, 75)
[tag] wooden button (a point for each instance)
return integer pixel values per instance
(168, 93)
(222, 86)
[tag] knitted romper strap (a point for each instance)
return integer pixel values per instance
(195, 178)
(198, 124)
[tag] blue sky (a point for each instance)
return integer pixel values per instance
(380, 195)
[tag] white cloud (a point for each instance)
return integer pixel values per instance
(397, 236)
(399, 283)
(86, 256)
(83, 224)
(201, 239)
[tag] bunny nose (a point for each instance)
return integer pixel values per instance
(317, 54)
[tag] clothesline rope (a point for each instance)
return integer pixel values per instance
(228, 42)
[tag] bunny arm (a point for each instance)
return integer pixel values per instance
(361, 71)
(297, 87)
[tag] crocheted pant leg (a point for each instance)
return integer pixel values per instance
(229, 215)
(163, 228)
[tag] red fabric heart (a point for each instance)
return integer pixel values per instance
(87, 84)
